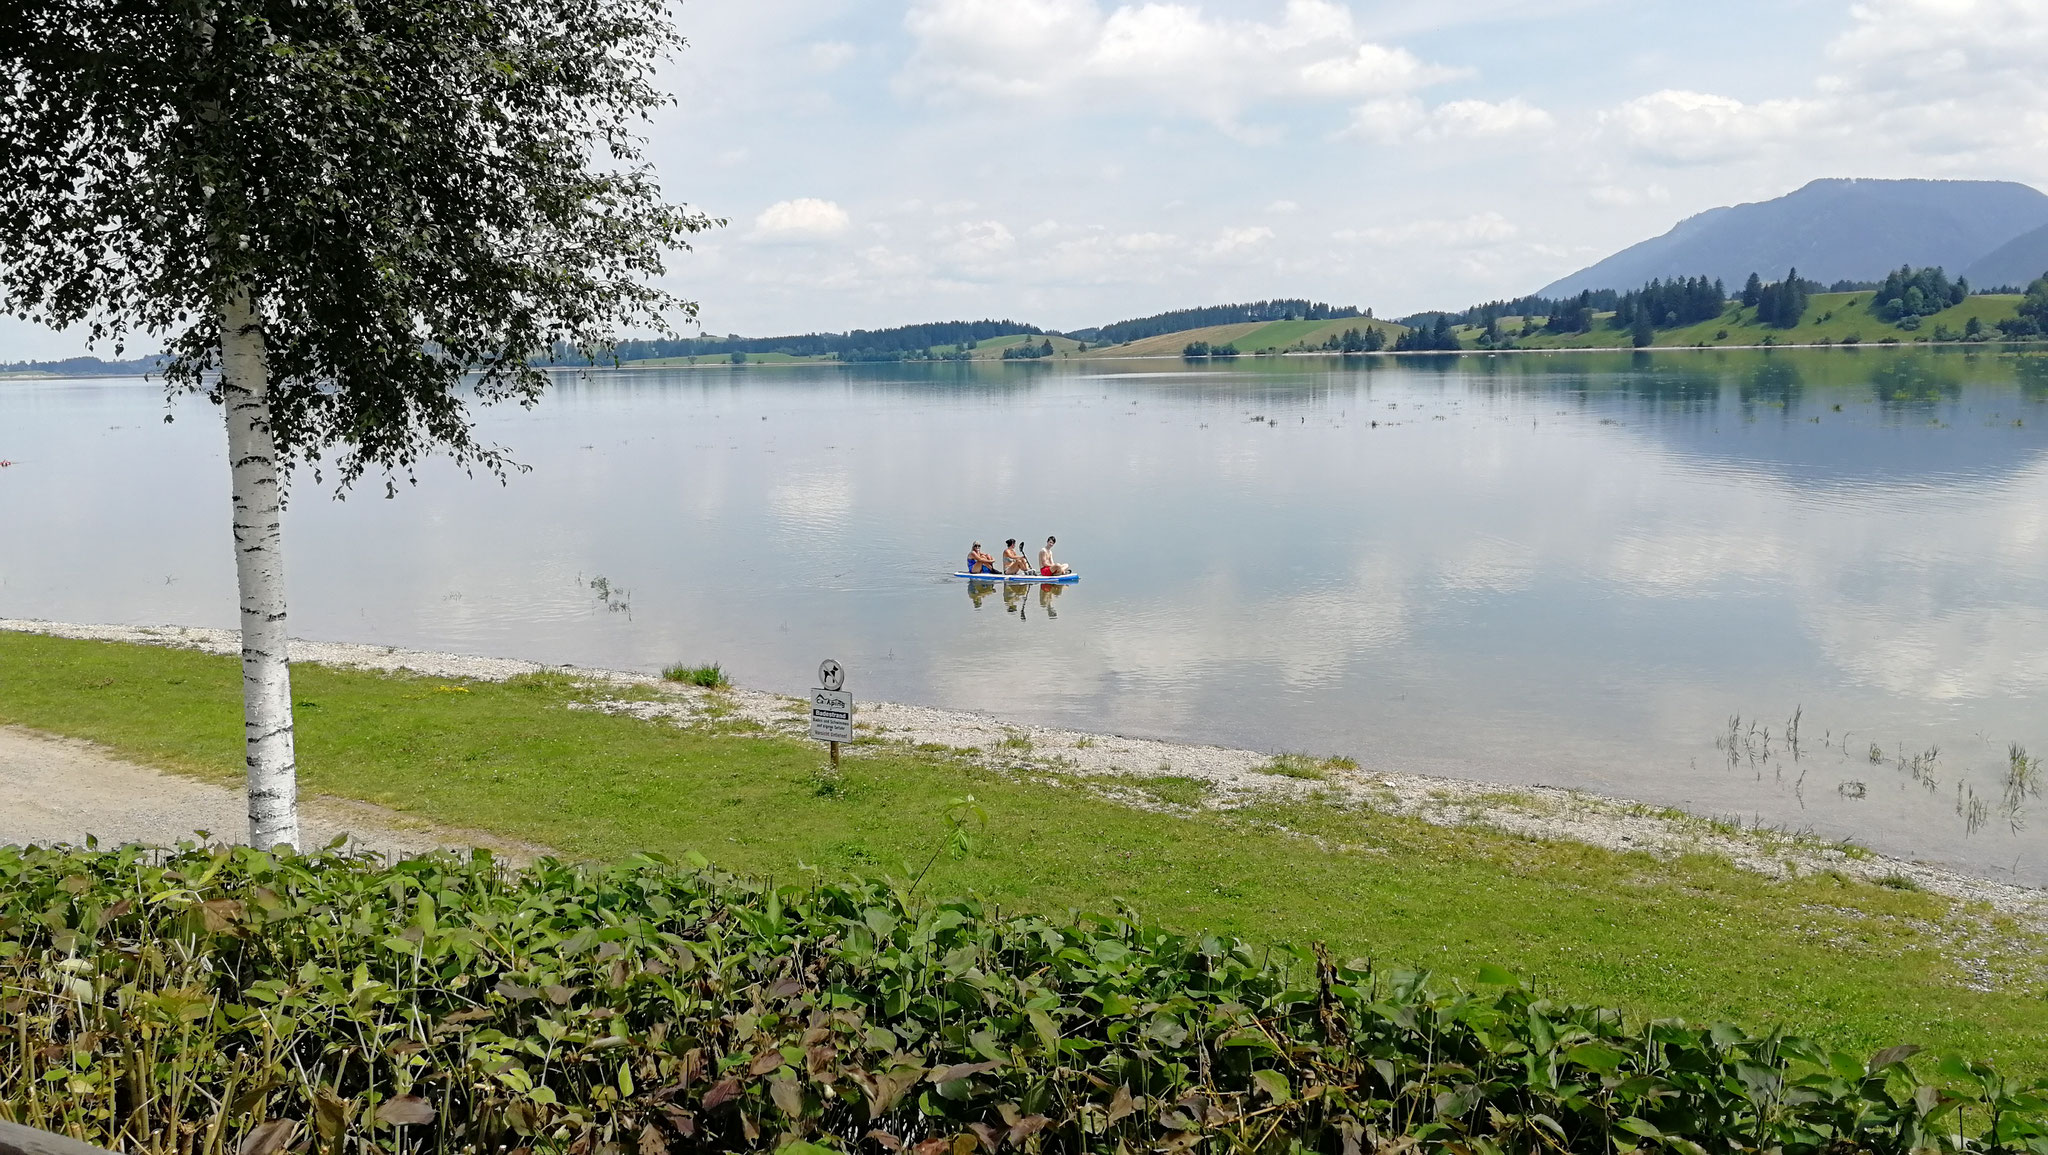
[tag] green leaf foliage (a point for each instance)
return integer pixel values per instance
(449, 1004)
(422, 197)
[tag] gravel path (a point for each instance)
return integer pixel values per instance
(57, 790)
(1109, 764)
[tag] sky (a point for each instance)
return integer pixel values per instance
(1075, 162)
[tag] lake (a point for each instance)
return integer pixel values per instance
(1623, 573)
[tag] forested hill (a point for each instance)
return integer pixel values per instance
(1833, 230)
(84, 367)
(857, 344)
(1183, 319)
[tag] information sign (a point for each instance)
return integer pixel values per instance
(831, 715)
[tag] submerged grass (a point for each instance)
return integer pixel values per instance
(1306, 767)
(710, 677)
(1858, 965)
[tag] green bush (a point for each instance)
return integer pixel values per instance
(178, 1001)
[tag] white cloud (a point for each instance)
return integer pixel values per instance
(1369, 70)
(1283, 208)
(974, 242)
(1619, 196)
(1473, 119)
(1398, 119)
(1923, 76)
(1478, 229)
(829, 55)
(1165, 54)
(1237, 240)
(1680, 127)
(1147, 242)
(802, 218)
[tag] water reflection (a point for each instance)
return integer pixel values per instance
(1569, 569)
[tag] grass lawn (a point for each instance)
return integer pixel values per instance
(1859, 965)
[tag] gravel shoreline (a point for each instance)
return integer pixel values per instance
(1119, 766)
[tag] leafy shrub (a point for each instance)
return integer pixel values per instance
(178, 1001)
(710, 677)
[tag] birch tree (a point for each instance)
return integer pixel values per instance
(348, 221)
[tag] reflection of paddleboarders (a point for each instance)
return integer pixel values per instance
(1047, 591)
(979, 590)
(1013, 596)
(1047, 567)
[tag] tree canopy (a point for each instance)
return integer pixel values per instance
(411, 192)
(1909, 292)
(855, 345)
(1180, 320)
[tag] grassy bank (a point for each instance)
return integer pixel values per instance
(1859, 966)
(1829, 319)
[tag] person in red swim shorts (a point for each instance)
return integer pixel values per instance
(1047, 567)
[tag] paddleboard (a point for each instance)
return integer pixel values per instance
(1026, 578)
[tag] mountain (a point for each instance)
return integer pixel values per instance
(2016, 262)
(1831, 230)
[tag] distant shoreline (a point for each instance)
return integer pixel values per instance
(1066, 358)
(2001, 346)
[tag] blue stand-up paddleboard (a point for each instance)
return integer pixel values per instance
(1026, 578)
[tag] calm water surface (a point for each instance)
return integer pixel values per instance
(1622, 573)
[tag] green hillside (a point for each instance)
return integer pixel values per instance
(1252, 337)
(1830, 319)
(992, 349)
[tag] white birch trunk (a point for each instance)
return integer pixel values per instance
(259, 573)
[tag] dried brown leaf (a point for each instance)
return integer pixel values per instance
(725, 1091)
(270, 1138)
(787, 1095)
(219, 914)
(406, 1111)
(765, 1062)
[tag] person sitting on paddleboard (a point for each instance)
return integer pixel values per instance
(1047, 567)
(1014, 561)
(979, 561)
